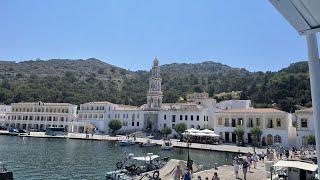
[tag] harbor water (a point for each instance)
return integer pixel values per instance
(42, 158)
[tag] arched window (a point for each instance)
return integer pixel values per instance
(277, 139)
(198, 126)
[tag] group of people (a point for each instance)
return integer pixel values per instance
(244, 163)
(187, 174)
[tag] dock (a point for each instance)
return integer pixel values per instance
(175, 142)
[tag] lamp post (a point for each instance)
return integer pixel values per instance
(189, 161)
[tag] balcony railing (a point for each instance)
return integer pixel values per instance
(226, 124)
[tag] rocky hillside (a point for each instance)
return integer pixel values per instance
(79, 81)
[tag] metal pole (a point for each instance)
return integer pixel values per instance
(314, 69)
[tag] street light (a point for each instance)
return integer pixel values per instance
(189, 161)
(304, 16)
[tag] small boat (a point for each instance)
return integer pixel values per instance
(16, 132)
(134, 166)
(4, 173)
(126, 142)
(167, 145)
(148, 144)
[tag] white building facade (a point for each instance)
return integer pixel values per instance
(37, 116)
(276, 125)
(305, 125)
(4, 109)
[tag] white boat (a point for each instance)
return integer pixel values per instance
(294, 170)
(148, 144)
(126, 142)
(167, 145)
(134, 166)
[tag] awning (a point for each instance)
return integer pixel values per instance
(192, 130)
(207, 131)
(297, 164)
(200, 134)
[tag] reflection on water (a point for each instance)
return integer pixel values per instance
(40, 158)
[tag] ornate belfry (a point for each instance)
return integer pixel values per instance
(154, 95)
(154, 98)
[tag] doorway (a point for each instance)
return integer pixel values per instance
(249, 138)
(234, 137)
(226, 136)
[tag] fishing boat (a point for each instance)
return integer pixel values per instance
(126, 142)
(4, 173)
(148, 144)
(16, 132)
(133, 166)
(294, 170)
(167, 145)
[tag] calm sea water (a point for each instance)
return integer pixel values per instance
(39, 158)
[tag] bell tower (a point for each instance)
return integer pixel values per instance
(154, 95)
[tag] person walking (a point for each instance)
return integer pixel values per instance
(187, 174)
(177, 173)
(235, 165)
(255, 160)
(245, 165)
(215, 176)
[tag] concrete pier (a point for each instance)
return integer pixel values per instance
(219, 147)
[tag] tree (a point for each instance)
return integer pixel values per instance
(256, 133)
(239, 131)
(166, 131)
(180, 128)
(115, 125)
(311, 140)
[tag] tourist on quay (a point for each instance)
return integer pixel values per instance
(249, 159)
(215, 176)
(254, 159)
(287, 154)
(262, 156)
(235, 165)
(245, 165)
(177, 173)
(187, 174)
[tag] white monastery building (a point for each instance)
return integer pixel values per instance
(39, 116)
(154, 115)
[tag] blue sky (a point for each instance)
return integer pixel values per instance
(130, 33)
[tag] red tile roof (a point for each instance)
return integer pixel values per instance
(252, 110)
